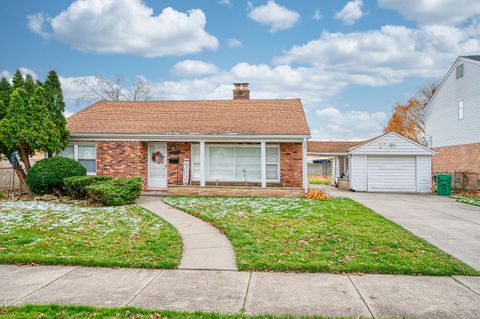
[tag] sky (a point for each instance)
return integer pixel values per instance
(350, 62)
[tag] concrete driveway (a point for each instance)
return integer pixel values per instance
(453, 227)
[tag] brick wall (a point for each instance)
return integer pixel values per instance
(291, 164)
(122, 159)
(460, 158)
(129, 159)
(175, 171)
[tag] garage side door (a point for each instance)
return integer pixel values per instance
(391, 173)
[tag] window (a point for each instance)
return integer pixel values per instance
(460, 110)
(459, 71)
(87, 156)
(236, 162)
(84, 154)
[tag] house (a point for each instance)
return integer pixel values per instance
(197, 143)
(388, 163)
(452, 123)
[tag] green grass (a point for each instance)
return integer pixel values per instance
(53, 233)
(83, 312)
(468, 199)
(336, 235)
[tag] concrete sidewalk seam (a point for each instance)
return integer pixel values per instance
(246, 291)
(361, 297)
(47, 284)
(143, 288)
(447, 214)
(464, 285)
(207, 247)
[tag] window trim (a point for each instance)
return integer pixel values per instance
(75, 153)
(255, 180)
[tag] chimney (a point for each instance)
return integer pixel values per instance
(241, 91)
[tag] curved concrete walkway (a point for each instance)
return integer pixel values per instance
(204, 247)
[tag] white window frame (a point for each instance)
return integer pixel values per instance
(460, 110)
(255, 180)
(75, 154)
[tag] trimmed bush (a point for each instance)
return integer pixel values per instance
(76, 186)
(46, 176)
(115, 192)
(2, 195)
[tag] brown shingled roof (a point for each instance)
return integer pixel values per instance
(229, 117)
(333, 147)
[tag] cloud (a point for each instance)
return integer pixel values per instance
(335, 124)
(234, 43)
(23, 70)
(226, 2)
(273, 15)
(439, 12)
(351, 12)
(193, 68)
(317, 15)
(5, 74)
(126, 27)
(385, 56)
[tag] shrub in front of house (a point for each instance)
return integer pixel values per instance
(2, 195)
(115, 192)
(76, 186)
(47, 175)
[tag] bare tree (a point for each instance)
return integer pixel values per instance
(102, 88)
(425, 93)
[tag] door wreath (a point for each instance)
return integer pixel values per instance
(158, 157)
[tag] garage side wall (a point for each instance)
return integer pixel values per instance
(424, 176)
(357, 174)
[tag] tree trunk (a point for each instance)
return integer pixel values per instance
(25, 158)
(21, 174)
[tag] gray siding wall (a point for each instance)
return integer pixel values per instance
(442, 125)
(357, 173)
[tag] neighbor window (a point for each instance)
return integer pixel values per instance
(84, 154)
(460, 110)
(236, 162)
(459, 71)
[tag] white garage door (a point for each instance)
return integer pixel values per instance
(391, 174)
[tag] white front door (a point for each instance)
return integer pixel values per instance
(157, 165)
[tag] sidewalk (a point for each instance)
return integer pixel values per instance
(204, 246)
(381, 296)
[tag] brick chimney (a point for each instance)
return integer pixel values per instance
(241, 91)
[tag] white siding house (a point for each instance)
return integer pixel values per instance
(452, 116)
(391, 163)
(388, 163)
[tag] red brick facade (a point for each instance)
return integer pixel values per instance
(129, 159)
(122, 159)
(459, 159)
(291, 165)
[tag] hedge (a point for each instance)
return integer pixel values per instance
(115, 192)
(76, 186)
(46, 176)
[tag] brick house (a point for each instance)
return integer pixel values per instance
(196, 143)
(452, 123)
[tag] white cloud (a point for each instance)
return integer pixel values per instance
(351, 12)
(234, 43)
(67, 113)
(36, 23)
(385, 56)
(126, 26)
(443, 12)
(273, 15)
(226, 2)
(5, 74)
(335, 124)
(23, 70)
(193, 68)
(317, 15)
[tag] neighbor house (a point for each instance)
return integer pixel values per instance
(388, 163)
(192, 144)
(452, 123)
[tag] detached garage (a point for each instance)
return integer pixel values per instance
(390, 163)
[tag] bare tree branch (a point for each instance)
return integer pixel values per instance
(102, 88)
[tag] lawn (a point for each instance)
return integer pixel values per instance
(55, 233)
(82, 312)
(472, 199)
(335, 235)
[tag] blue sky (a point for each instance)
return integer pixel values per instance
(349, 61)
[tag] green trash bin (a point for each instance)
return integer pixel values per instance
(444, 184)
